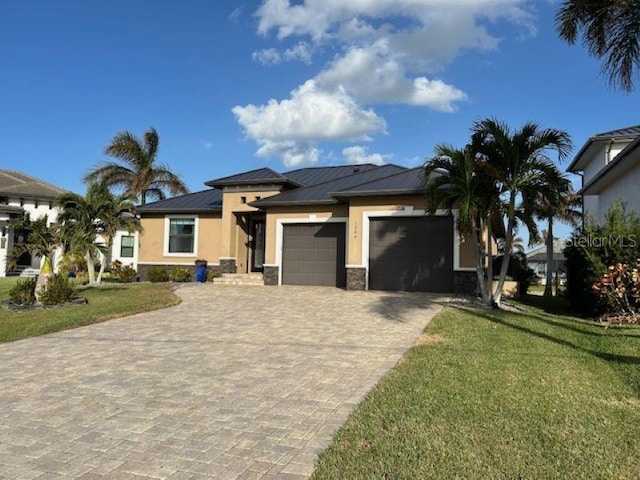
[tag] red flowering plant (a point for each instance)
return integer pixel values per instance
(619, 291)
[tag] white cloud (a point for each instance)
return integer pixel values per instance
(292, 128)
(359, 155)
(235, 15)
(206, 145)
(373, 76)
(389, 52)
(271, 56)
(267, 56)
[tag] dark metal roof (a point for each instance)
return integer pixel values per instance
(315, 175)
(204, 201)
(321, 193)
(628, 133)
(613, 164)
(402, 183)
(260, 176)
(16, 184)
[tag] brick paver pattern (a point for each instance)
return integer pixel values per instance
(236, 382)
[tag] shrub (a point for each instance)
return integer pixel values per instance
(72, 263)
(157, 274)
(180, 274)
(211, 275)
(123, 273)
(23, 292)
(595, 247)
(57, 291)
(619, 289)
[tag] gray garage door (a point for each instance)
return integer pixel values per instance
(314, 254)
(413, 254)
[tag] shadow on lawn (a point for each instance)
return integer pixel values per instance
(609, 357)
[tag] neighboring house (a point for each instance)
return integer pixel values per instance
(610, 167)
(359, 227)
(20, 193)
(537, 260)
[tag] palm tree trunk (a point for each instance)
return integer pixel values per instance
(504, 268)
(490, 253)
(103, 260)
(548, 288)
(90, 268)
(478, 243)
(46, 272)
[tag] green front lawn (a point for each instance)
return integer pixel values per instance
(106, 302)
(494, 394)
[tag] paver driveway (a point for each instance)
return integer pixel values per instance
(236, 382)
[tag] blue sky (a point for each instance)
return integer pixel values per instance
(233, 86)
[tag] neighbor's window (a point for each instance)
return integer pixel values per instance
(126, 246)
(182, 235)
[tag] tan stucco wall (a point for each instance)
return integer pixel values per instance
(151, 246)
(300, 212)
(232, 236)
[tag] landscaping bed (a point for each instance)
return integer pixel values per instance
(105, 302)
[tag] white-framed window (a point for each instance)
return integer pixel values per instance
(127, 244)
(181, 235)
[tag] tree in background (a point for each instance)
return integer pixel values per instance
(610, 29)
(40, 240)
(84, 219)
(137, 171)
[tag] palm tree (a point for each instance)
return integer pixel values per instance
(455, 180)
(564, 205)
(518, 163)
(40, 240)
(83, 219)
(137, 172)
(610, 29)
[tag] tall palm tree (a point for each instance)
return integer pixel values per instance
(83, 219)
(40, 240)
(563, 205)
(521, 169)
(610, 29)
(455, 180)
(137, 172)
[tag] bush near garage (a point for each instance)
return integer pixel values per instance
(157, 274)
(180, 274)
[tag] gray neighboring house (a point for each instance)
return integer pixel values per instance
(609, 164)
(20, 193)
(537, 260)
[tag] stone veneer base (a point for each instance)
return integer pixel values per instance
(356, 278)
(270, 275)
(228, 265)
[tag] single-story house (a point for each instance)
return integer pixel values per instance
(359, 227)
(609, 163)
(20, 194)
(537, 260)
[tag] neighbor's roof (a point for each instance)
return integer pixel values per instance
(206, 200)
(260, 176)
(624, 158)
(539, 254)
(16, 184)
(628, 133)
(399, 183)
(321, 193)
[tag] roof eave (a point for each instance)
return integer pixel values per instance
(179, 210)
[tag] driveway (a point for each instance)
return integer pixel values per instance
(236, 382)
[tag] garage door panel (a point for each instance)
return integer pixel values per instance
(411, 254)
(314, 254)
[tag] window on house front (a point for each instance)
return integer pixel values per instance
(126, 246)
(182, 235)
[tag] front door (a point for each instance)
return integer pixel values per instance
(257, 243)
